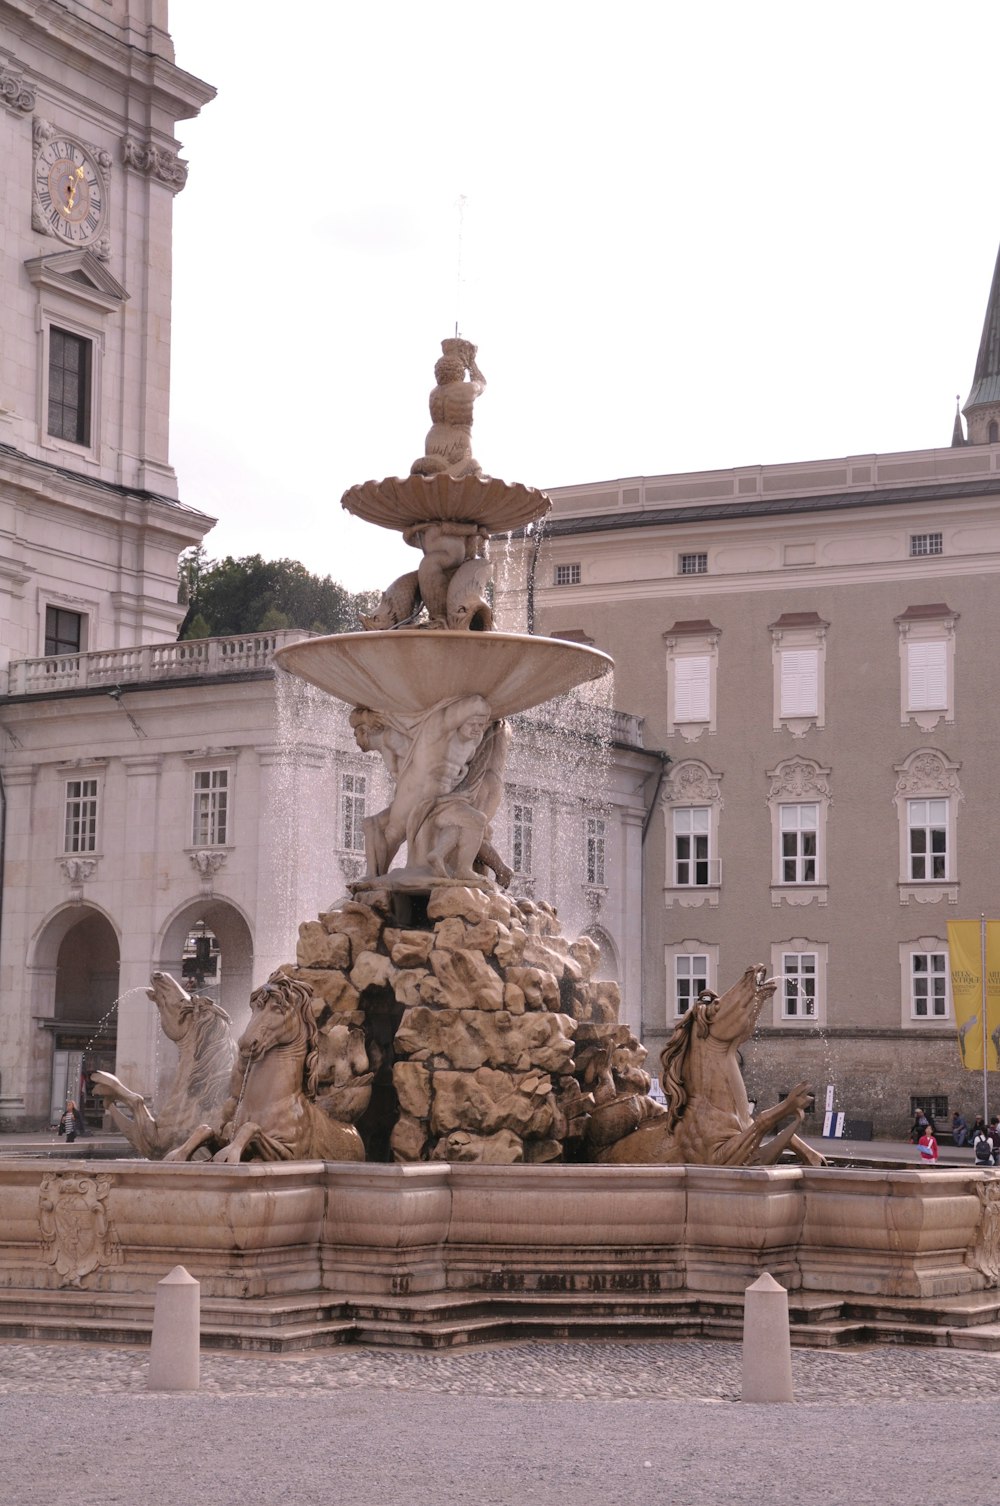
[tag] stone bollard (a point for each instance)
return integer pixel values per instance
(767, 1345)
(173, 1355)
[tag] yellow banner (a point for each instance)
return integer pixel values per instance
(966, 961)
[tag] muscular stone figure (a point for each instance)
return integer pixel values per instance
(448, 446)
(448, 771)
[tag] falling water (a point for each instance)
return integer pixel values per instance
(570, 739)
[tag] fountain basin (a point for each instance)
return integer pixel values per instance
(296, 1254)
(403, 502)
(407, 671)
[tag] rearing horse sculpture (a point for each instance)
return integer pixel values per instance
(272, 1113)
(708, 1120)
(206, 1053)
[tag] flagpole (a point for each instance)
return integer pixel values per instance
(982, 1011)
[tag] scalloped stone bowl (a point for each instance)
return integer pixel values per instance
(402, 502)
(409, 670)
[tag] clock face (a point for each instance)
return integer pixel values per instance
(70, 190)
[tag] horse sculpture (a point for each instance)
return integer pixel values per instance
(273, 1113)
(201, 1031)
(708, 1120)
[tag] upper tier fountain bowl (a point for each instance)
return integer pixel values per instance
(512, 671)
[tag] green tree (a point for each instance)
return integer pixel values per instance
(252, 595)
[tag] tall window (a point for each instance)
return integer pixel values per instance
(522, 836)
(928, 985)
(690, 979)
(211, 807)
(798, 656)
(927, 822)
(799, 828)
(799, 682)
(596, 834)
(353, 790)
(798, 985)
(70, 365)
(81, 815)
(927, 674)
(692, 830)
(63, 631)
(692, 688)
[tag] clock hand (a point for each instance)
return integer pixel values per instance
(74, 179)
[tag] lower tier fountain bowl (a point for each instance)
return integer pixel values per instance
(409, 670)
(293, 1255)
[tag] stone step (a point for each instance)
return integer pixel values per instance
(294, 1323)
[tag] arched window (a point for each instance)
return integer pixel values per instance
(993, 432)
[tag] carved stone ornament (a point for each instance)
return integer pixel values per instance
(14, 92)
(799, 779)
(207, 864)
(985, 1254)
(76, 1230)
(78, 871)
(155, 162)
(928, 773)
(692, 783)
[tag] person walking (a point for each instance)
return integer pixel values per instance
(959, 1129)
(928, 1147)
(71, 1124)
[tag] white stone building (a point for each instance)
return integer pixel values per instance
(168, 804)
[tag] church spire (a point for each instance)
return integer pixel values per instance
(957, 433)
(982, 408)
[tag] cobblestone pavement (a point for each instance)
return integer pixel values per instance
(679, 1370)
(520, 1424)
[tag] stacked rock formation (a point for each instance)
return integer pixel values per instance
(488, 1036)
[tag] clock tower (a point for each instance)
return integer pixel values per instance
(90, 522)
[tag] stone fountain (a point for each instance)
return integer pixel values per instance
(436, 1128)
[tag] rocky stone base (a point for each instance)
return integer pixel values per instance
(488, 1037)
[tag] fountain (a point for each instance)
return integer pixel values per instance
(436, 1127)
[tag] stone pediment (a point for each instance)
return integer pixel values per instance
(80, 274)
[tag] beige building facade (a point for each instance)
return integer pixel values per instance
(813, 646)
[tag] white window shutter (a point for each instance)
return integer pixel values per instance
(800, 682)
(692, 688)
(927, 676)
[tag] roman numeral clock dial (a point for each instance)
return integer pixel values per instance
(69, 190)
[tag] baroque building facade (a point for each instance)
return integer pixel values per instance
(812, 644)
(177, 806)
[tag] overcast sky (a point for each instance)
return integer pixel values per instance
(695, 235)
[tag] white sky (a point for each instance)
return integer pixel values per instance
(698, 233)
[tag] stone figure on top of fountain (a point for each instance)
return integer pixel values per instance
(448, 446)
(447, 766)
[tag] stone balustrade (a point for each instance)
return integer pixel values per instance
(200, 658)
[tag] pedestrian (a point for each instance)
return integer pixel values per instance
(978, 1125)
(71, 1124)
(959, 1129)
(918, 1126)
(928, 1147)
(982, 1147)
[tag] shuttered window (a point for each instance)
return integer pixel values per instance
(927, 676)
(692, 688)
(800, 682)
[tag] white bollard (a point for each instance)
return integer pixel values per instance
(173, 1355)
(767, 1345)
